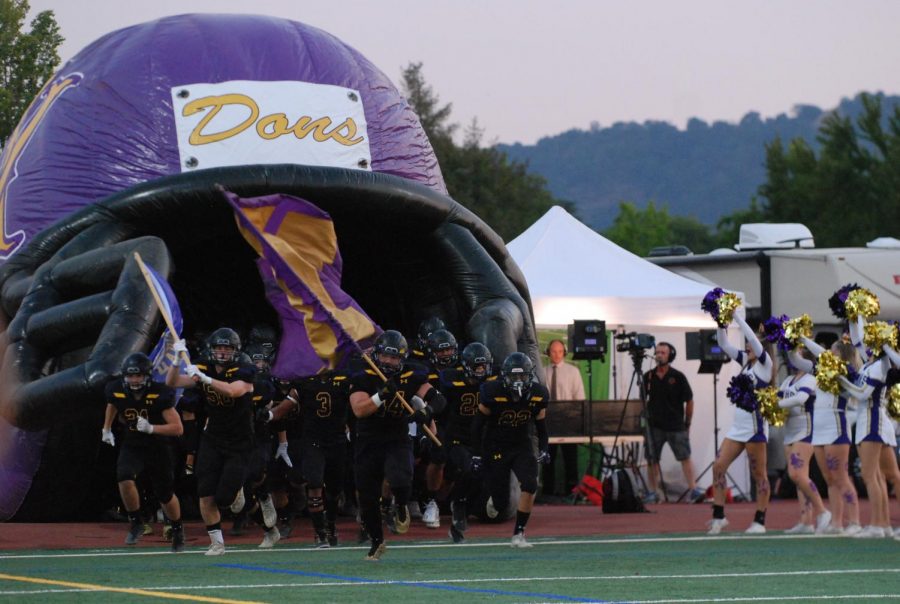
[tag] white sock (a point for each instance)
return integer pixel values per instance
(216, 536)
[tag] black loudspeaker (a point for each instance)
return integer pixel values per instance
(703, 346)
(550, 343)
(588, 340)
(673, 353)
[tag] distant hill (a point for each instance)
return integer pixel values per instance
(705, 171)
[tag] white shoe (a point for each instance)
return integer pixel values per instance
(823, 521)
(716, 525)
(833, 530)
(415, 512)
(271, 538)
(238, 504)
(755, 528)
(215, 549)
(518, 540)
(432, 515)
(270, 516)
(851, 530)
(800, 529)
(869, 532)
(490, 509)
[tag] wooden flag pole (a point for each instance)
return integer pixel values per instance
(406, 405)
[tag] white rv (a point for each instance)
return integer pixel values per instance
(780, 271)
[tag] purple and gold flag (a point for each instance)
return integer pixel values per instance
(300, 266)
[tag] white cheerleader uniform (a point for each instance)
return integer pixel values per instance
(873, 423)
(751, 427)
(800, 423)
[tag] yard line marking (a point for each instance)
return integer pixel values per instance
(772, 599)
(124, 590)
(399, 545)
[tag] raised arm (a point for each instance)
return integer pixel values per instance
(857, 329)
(725, 345)
(755, 345)
(892, 354)
(813, 346)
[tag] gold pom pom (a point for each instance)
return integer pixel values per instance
(893, 402)
(800, 326)
(728, 303)
(768, 406)
(878, 333)
(861, 302)
(828, 368)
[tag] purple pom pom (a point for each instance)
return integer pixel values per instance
(741, 393)
(710, 303)
(774, 330)
(839, 298)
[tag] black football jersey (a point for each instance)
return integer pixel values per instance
(509, 419)
(264, 392)
(391, 420)
(229, 421)
(462, 404)
(325, 405)
(150, 405)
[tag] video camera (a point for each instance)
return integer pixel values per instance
(633, 341)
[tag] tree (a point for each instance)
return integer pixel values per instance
(484, 180)
(849, 193)
(27, 60)
(639, 231)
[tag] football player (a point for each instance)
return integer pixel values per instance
(461, 388)
(227, 440)
(146, 411)
(506, 407)
(383, 448)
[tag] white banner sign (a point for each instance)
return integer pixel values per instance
(246, 122)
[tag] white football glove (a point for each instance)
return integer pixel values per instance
(107, 437)
(144, 426)
(282, 452)
(179, 346)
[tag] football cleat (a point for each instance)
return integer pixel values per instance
(331, 535)
(460, 517)
(270, 516)
(490, 509)
(376, 552)
(285, 529)
(800, 529)
(134, 533)
(216, 548)
(238, 504)
(177, 541)
(271, 537)
(401, 520)
(432, 515)
(519, 541)
(455, 534)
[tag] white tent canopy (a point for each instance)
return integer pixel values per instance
(575, 273)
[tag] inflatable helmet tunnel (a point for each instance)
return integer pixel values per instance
(127, 149)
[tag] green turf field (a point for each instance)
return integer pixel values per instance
(689, 568)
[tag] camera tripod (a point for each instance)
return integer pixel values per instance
(714, 367)
(613, 461)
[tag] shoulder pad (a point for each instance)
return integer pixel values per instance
(501, 399)
(151, 395)
(458, 383)
(118, 394)
(491, 378)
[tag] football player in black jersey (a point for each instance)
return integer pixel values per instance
(227, 440)
(146, 411)
(428, 325)
(506, 407)
(265, 393)
(383, 448)
(443, 353)
(461, 388)
(324, 405)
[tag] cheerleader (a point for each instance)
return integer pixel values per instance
(749, 432)
(797, 394)
(831, 438)
(874, 430)
(888, 459)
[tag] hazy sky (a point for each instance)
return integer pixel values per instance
(531, 68)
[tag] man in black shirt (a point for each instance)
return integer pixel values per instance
(146, 412)
(670, 407)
